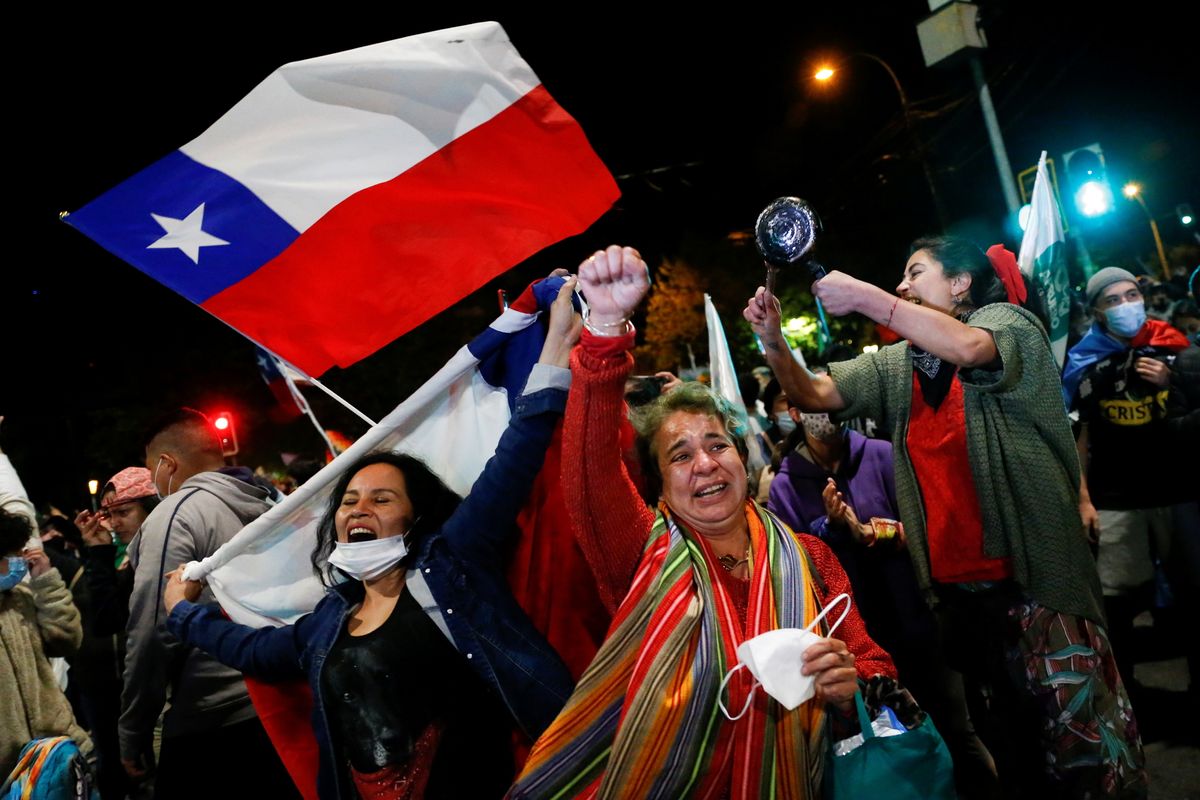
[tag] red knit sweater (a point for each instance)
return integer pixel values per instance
(611, 521)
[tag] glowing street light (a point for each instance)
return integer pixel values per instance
(1133, 191)
(825, 73)
(93, 487)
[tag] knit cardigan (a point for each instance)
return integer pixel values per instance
(1021, 451)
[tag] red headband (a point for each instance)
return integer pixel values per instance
(1005, 264)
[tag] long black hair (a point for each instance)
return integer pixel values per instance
(433, 502)
(960, 256)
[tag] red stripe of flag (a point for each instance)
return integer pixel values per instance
(390, 257)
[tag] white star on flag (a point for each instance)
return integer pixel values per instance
(186, 234)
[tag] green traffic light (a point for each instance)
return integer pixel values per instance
(1094, 199)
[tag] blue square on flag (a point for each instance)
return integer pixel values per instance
(349, 198)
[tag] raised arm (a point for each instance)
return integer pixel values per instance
(807, 391)
(611, 521)
(503, 485)
(57, 618)
(929, 329)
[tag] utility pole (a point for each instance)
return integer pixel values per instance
(950, 33)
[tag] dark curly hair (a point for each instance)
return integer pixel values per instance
(433, 502)
(15, 531)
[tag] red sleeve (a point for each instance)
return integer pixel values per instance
(611, 521)
(869, 658)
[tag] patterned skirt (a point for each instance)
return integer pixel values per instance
(1050, 688)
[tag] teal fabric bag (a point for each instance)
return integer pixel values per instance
(912, 765)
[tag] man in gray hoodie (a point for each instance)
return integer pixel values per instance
(212, 741)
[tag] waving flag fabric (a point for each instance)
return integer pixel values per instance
(720, 360)
(725, 382)
(348, 198)
(287, 405)
(263, 576)
(1043, 257)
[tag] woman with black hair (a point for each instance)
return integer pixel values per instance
(987, 482)
(421, 664)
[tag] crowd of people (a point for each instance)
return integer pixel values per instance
(988, 517)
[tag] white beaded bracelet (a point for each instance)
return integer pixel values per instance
(598, 328)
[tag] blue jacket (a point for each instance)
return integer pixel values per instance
(462, 568)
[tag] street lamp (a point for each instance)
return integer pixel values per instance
(826, 72)
(93, 487)
(1133, 191)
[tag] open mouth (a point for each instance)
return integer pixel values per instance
(712, 490)
(360, 535)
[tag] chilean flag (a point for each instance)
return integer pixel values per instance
(263, 575)
(287, 407)
(349, 198)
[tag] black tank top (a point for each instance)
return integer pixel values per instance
(382, 691)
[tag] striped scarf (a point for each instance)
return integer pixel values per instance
(643, 721)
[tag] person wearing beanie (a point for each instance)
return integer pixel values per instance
(1118, 379)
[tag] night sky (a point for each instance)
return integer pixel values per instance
(704, 119)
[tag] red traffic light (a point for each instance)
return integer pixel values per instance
(223, 422)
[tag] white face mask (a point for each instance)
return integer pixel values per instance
(774, 659)
(366, 561)
(369, 560)
(154, 480)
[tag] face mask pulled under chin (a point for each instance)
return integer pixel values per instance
(775, 658)
(366, 561)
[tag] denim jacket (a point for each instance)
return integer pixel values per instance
(456, 574)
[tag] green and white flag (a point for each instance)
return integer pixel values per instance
(1043, 259)
(723, 378)
(721, 371)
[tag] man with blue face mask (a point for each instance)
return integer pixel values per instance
(1118, 379)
